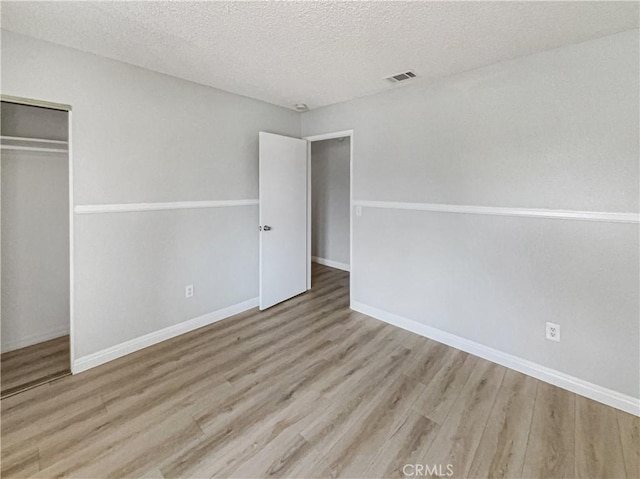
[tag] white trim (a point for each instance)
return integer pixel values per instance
(351, 260)
(133, 345)
(72, 293)
(176, 205)
(330, 263)
(501, 211)
(565, 381)
(34, 339)
(330, 136)
(309, 214)
(33, 102)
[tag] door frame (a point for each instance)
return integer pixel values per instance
(311, 139)
(67, 108)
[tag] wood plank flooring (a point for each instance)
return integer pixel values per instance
(310, 389)
(34, 365)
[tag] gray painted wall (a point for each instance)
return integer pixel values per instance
(140, 136)
(554, 130)
(35, 231)
(330, 199)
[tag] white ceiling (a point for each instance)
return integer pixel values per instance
(316, 53)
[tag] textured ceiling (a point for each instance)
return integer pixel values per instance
(316, 53)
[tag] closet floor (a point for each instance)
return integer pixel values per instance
(34, 365)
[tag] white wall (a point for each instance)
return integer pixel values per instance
(330, 200)
(143, 137)
(35, 231)
(555, 130)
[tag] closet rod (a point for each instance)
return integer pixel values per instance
(33, 140)
(33, 102)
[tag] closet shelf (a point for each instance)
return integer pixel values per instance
(33, 148)
(33, 144)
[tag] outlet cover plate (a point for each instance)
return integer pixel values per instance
(553, 332)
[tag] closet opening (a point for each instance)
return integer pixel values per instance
(329, 229)
(36, 243)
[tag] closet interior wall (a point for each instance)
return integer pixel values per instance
(35, 225)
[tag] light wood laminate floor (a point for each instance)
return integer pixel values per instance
(28, 367)
(310, 389)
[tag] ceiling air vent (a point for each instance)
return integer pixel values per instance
(401, 77)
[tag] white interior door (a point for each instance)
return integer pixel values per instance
(283, 218)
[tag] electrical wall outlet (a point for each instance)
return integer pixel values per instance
(188, 291)
(553, 332)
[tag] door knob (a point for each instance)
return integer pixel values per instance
(267, 228)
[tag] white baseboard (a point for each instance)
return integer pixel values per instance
(34, 339)
(331, 264)
(570, 383)
(128, 347)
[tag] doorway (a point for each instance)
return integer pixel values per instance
(35, 234)
(286, 213)
(329, 229)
